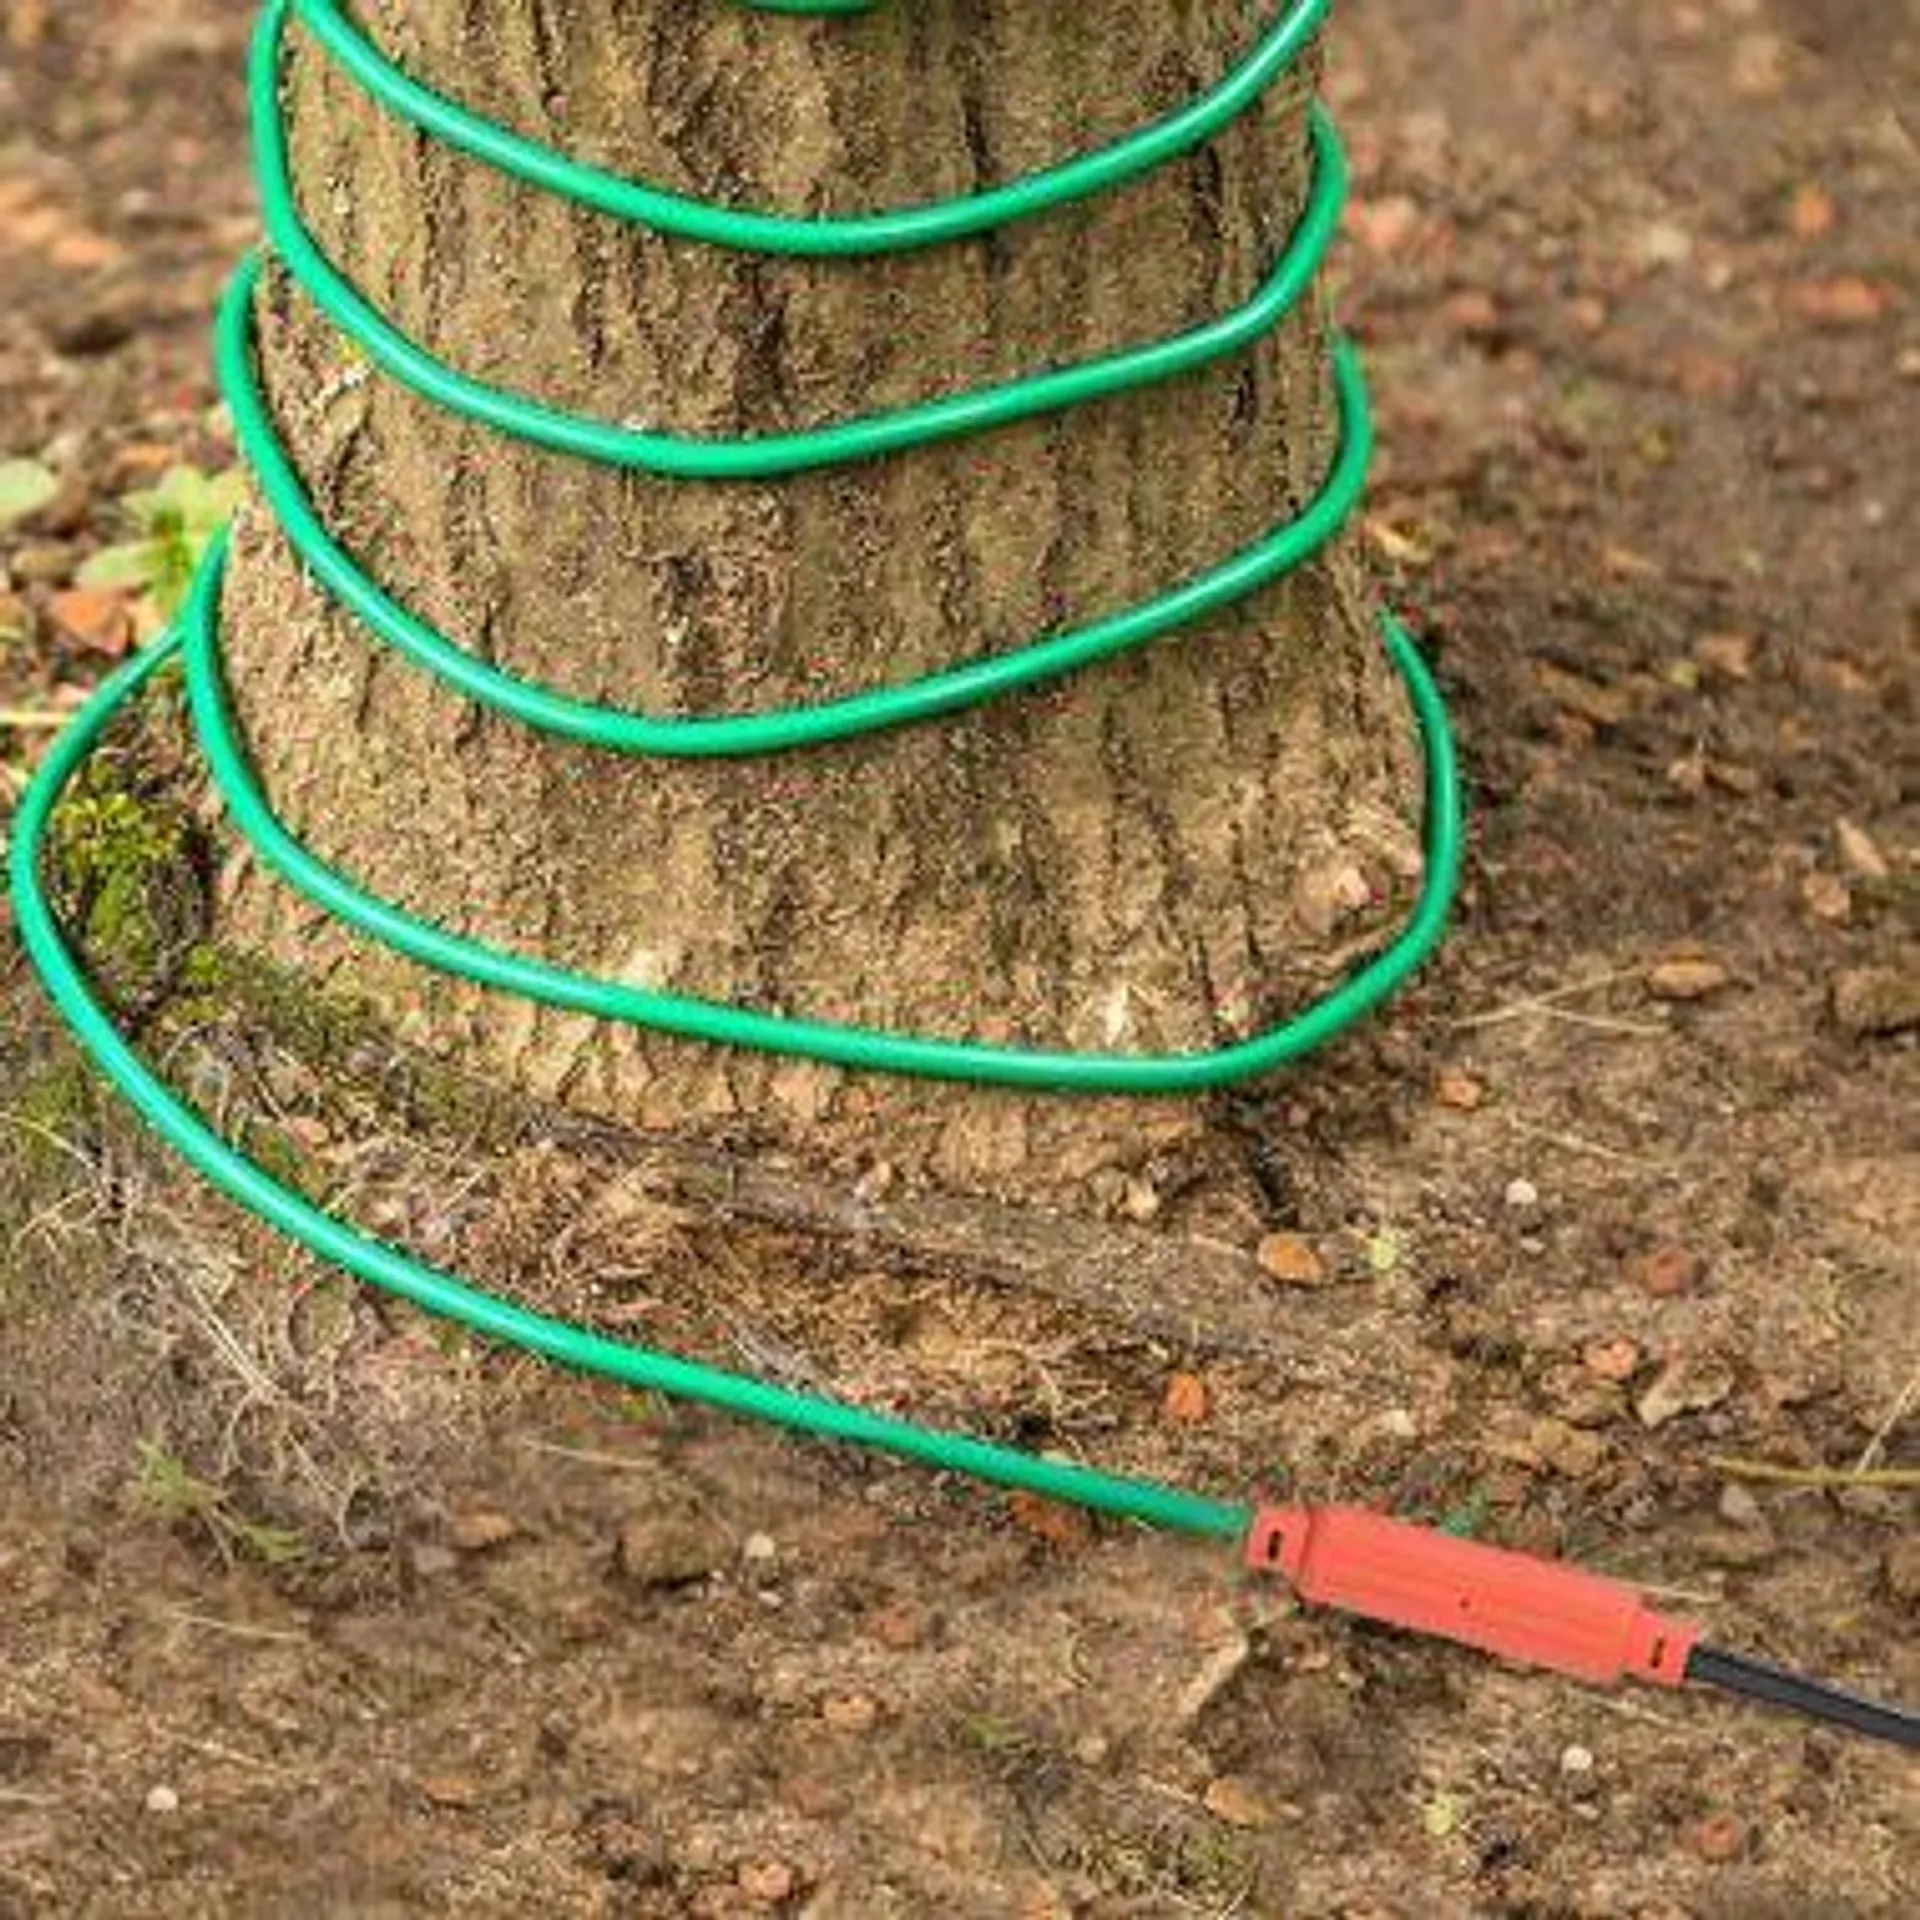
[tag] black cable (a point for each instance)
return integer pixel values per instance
(1756, 1680)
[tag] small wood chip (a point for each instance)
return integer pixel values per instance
(1684, 1386)
(1687, 979)
(480, 1531)
(1847, 300)
(1237, 1802)
(1059, 1526)
(1728, 655)
(1460, 1091)
(1187, 1403)
(1859, 852)
(1288, 1258)
(94, 617)
(451, 1790)
(1827, 898)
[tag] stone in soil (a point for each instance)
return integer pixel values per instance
(1685, 1385)
(479, 1531)
(1860, 853)
(1289, 1259)
(1875, 1003)
(1687, 979)
(1237, 1802)
(1666, 1271)
(664, 1551)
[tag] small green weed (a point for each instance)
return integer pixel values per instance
(169, 1490)
(173, 525)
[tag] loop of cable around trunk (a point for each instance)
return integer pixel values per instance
(196, 642)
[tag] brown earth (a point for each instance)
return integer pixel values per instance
(311, 1610)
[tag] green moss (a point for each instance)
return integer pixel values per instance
(344, 1042)
(45, 1121)
(125, 867)
(286, 1160)
(56, 1104)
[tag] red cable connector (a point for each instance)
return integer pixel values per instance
(1538, 1612)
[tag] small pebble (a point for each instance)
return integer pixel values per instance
(162, 1800)
(1288, 1258)
(900, 1627)
(44, 564)
(768, 1883)
(1577, 1761)
(760, 1549)
(666, 1551)
(851, 1713)
(1720, 1838)
(1666, 1271)
(1460, 1091)
(480, 1531)
(1871, 1003)
(1522, 1194)
(1616, 1360)
(1687, 979)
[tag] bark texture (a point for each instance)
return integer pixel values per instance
(1164, 853)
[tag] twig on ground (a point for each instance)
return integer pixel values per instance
(589, 1457)
(1902, 1406)
(237, 1629)
(1550, 1002)
(1775, 1473)
(1578, 1143)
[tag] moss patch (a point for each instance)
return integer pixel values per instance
(344, 1043)
(127, 864)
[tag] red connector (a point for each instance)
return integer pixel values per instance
(1538, 1612)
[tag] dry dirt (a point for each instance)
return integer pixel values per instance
(308, 1610)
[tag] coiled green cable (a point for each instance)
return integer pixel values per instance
(768, 457)
(1259, 564)
(899, 230)
(442, 1294)
(251, 813)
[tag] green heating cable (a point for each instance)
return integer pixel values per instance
(946, 222)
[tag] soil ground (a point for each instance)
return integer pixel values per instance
(309, 1610)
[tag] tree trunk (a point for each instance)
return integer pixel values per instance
(1164, 853)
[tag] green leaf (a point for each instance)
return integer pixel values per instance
(188, 499)
(220, 502)
(173, 579)
(131, 566)
(1444, 1815)
(25, 487)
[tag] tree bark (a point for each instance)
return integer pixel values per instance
(1167, 852)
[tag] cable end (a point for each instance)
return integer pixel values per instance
(1539, 1613)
